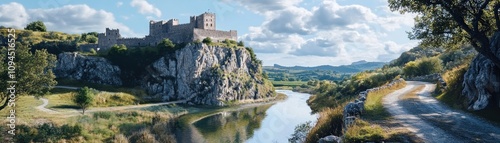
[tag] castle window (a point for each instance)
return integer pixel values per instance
(210, 25)
(206, 24)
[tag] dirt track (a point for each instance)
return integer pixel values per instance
(435, 122)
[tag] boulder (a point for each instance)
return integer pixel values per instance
(330, 139)
(482, 79)
(87, 68)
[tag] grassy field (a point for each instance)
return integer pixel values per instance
(288, 83)
(25, 109)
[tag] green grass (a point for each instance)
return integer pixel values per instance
(329, 123)
(62, 101)
(362, 131)
(374, 109)
(133, 91)
(288, 83)
(25, 110)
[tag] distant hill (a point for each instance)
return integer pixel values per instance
(352, 68)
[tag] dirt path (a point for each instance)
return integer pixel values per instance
(435, 122)
(99, 109)
(42, 107)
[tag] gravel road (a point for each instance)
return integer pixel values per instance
(435, 122)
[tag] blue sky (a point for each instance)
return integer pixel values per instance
(286, 32)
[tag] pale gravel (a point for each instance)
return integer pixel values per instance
(435, 122)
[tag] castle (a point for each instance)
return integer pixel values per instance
(198, 28)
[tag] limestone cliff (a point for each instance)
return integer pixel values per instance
(482, 80)
(207, 75)
(197, 74)
(87, 68)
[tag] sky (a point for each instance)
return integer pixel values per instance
(285, 32)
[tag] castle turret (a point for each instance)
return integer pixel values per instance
(206, 21)
(109, 38)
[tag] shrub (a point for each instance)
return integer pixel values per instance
(329, 123)
(120, 138)
(103, 115)
(36, 26)
(143, 136)
(423, 66)
(361, 131)
(207, 40)
(300, 134)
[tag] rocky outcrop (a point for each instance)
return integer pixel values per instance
(87, 68)
(482, 79)
(330, 139)
(209, 75)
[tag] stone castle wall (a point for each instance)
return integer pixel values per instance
(216, 35)
(133, 42)
(198, 28)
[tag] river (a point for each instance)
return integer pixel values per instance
(268, 123)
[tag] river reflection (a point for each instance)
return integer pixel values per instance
(261, 124)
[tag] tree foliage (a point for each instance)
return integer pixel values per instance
(452, 23)
(166, 46)
(36, 26)
(84, 98)
(34, 74)
(207, 40)
(423, 66)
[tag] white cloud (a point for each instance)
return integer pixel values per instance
(69, 18)
(13, 14)
(119, 4)
(339, 34)
(145, 8)
(264, 6)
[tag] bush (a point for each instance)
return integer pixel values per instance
(329, 123)
(46, 133)
(166, 46)
(36, 26)
(361, 131)
(103, 115)
(423, 66)
(300, 134)
(207, 40)
(143, 136)
(120, 138)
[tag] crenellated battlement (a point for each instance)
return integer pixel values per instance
(198, 28)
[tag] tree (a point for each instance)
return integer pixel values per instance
(84, 98)
(207, 40)
(36, 26)
(34, 74)
(241, 44)
(166, 45)
(452, 23)
(300, 133)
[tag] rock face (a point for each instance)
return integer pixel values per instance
(482, 80)
(87, 68)
(202, 74)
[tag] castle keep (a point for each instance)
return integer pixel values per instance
(198, 28)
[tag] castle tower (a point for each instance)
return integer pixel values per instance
(109, 38)
(206, 21)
